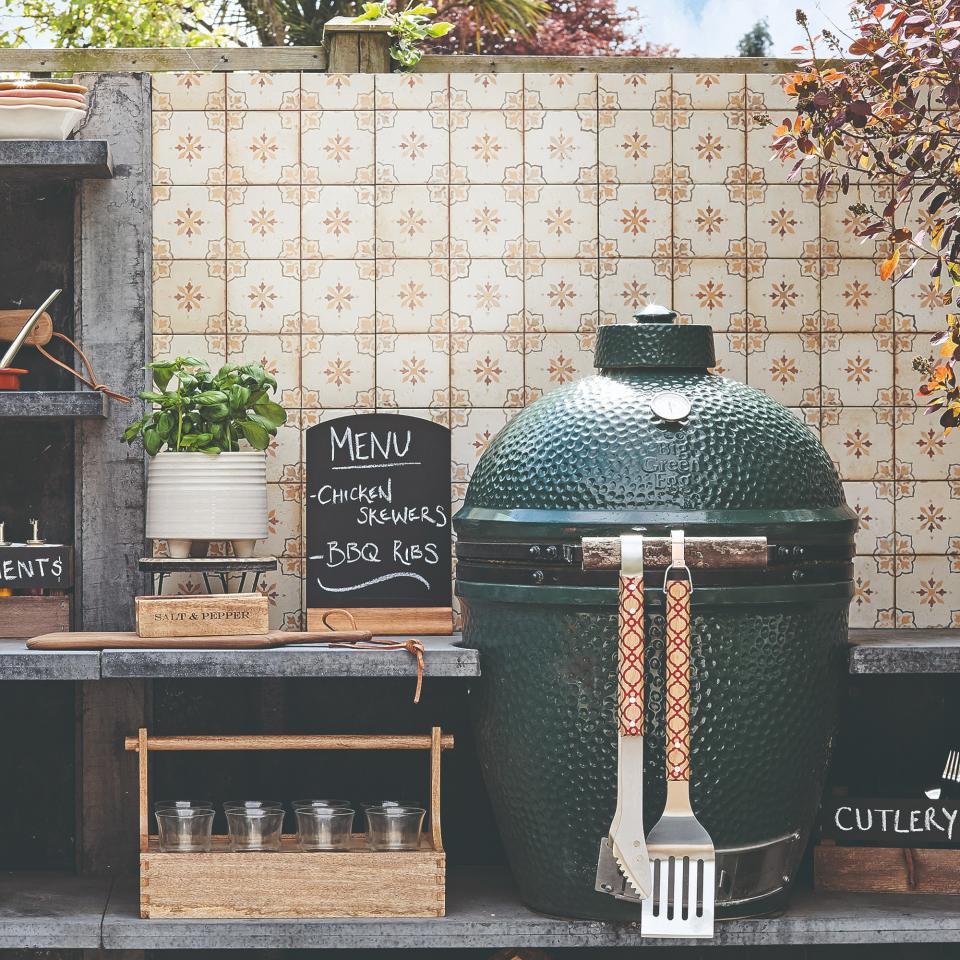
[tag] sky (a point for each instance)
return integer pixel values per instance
(711, 28)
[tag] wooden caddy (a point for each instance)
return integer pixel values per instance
(359, 882)
(839, 869)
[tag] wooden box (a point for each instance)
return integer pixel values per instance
(839, 869)
(213, 615)
(32, 616)
(292, 883)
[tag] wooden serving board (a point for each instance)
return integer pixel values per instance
(94, 640)
(212, 615)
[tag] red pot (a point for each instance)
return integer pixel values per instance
(10, 377)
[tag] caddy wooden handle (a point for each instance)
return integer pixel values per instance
(12, 321)
(678, 679)
(603, 553)
(292, 742)
(630, 634)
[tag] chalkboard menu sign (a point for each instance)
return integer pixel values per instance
(378, 523)
(24, 567)
(892, 823)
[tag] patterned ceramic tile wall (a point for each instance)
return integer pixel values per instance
(447, 246)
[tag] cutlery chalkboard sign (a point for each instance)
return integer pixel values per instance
(892, 823)
(378, 524)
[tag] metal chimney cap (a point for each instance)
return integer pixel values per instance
(655, 313)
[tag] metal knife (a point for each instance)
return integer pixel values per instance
(625, 849)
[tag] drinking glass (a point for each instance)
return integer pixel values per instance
(185, 829)
(254, 828)
(182, 805)
(310, 804)
(229, 805)
(394, 828)
(324, 828)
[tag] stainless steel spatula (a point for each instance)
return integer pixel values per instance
(623, 868)
(682, 859)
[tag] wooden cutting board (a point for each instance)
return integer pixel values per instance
(11, 321)
(94, 640)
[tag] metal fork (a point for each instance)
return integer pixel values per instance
(682, 858)
(951, 770)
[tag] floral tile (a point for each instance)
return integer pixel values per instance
(560, 91)
(412, 221)
(561, 293)
(923, 448)
(731, 356)
(635, 91)
(211, 348)
(263, 296)
(189, 296)
(839, 224)
(562, 221)
(761, 156)
(284, 591)
(924, 518)
(279, 355)
(413, 369)
(628, 284)
(411, 298)
(336, 146)
(765, 93)
(927, 594)
(784, 366)
(785, 221)
(485, 221)
(875, 515)
(470, 438)
(337, 296)
(263, 223)
(857, 296)
(485, 91)
(189, 148)
(634, 222)
(916, 297)
(709, 91)
(336, 373)
(263, 147)
(708, 292)
(856, 371)
(411, 149)
(283, 454)
(710, 147)
(189, 90)
(485, 294)
(263, 91)
(784, 298)
(338, 223)
(873, 593)
(486, 372)
(708, 221)
(485, 146)
(336, 91)
(283, 524)
(563, 149)
(633, 148)
(412, 91)
(188, 222)
(556, 359)
(858, 440)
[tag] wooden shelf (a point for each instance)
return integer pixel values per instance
(52, 404)
(55, 160)
(483, 911)
(904, 651)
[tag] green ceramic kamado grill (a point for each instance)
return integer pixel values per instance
(652, 443)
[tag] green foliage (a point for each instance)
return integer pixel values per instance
(206, 412)
(112, 23)
(757, 41)
(409, 28)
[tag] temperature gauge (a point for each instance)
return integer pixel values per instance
(670, 406)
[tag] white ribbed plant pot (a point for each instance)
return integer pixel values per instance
(193, 496)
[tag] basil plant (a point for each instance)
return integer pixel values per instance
(197, 411)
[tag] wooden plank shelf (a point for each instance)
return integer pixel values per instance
(55, 160)
(904, 651)
(49, 911)
(483, 911)
(52, 404)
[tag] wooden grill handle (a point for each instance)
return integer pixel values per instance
(12, 321)
(603, 553)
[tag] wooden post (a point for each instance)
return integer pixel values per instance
(358, 47)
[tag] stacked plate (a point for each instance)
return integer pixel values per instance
(40, 109)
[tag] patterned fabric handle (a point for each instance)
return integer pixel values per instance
(630, 656)
(678, 679)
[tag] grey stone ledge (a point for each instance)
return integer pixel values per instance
(19, 663)
(483, 911)
(55, 160)
(52, 404)
(904, 651)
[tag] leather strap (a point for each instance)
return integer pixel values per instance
(630, 664)
(91, 378)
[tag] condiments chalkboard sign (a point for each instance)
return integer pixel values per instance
(378, 523)
(24, 566)
(892, 823)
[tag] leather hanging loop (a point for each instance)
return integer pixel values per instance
(91, 378)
